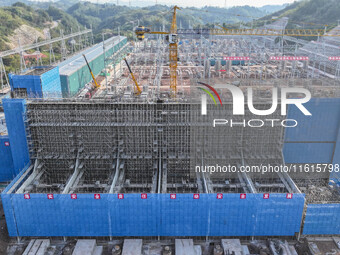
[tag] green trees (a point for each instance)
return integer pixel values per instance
(310, 14)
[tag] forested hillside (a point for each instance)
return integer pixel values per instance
(310, 14)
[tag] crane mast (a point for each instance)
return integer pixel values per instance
(173, 48)
(173, 54)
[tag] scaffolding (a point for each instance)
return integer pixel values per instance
(105, 147)
(119, 143)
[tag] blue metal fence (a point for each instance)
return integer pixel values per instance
(318, 136)
(157, 215)
(317, 140)
(322, 219)
(14, 112)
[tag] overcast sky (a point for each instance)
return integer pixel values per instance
(200, 3)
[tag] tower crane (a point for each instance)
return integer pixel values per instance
(172, 38)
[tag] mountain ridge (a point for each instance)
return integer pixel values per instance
(308, 14)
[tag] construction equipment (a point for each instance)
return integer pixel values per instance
(140, 31)
(172, 38)
(94, 79)
(139, 91)
(173, 53)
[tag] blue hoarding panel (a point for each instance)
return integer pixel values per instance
(9, 214)
(135, 216)
(308, 152)
(86, 216)
(185, 216)
(8, 205)
(278, 215)
(158, 215)
(83, 216)
(6, 161)
(14, 112)
(31, 83)
(323, 125)
(256, 216)
(322, 219)
(233, 216)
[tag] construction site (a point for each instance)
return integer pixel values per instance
(115, 142)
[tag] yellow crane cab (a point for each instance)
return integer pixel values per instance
(140, 32)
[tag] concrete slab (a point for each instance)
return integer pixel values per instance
(37, 247)
(314, 249)
(198, 249)
(43, 247)
(29, 247)
(231, 246)
(85, 247)
(98, 250)
(245, 250)
(51, 250)
(34, 249)
(337, 241)
(184, 247)
(292, 250)
(132, 247)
